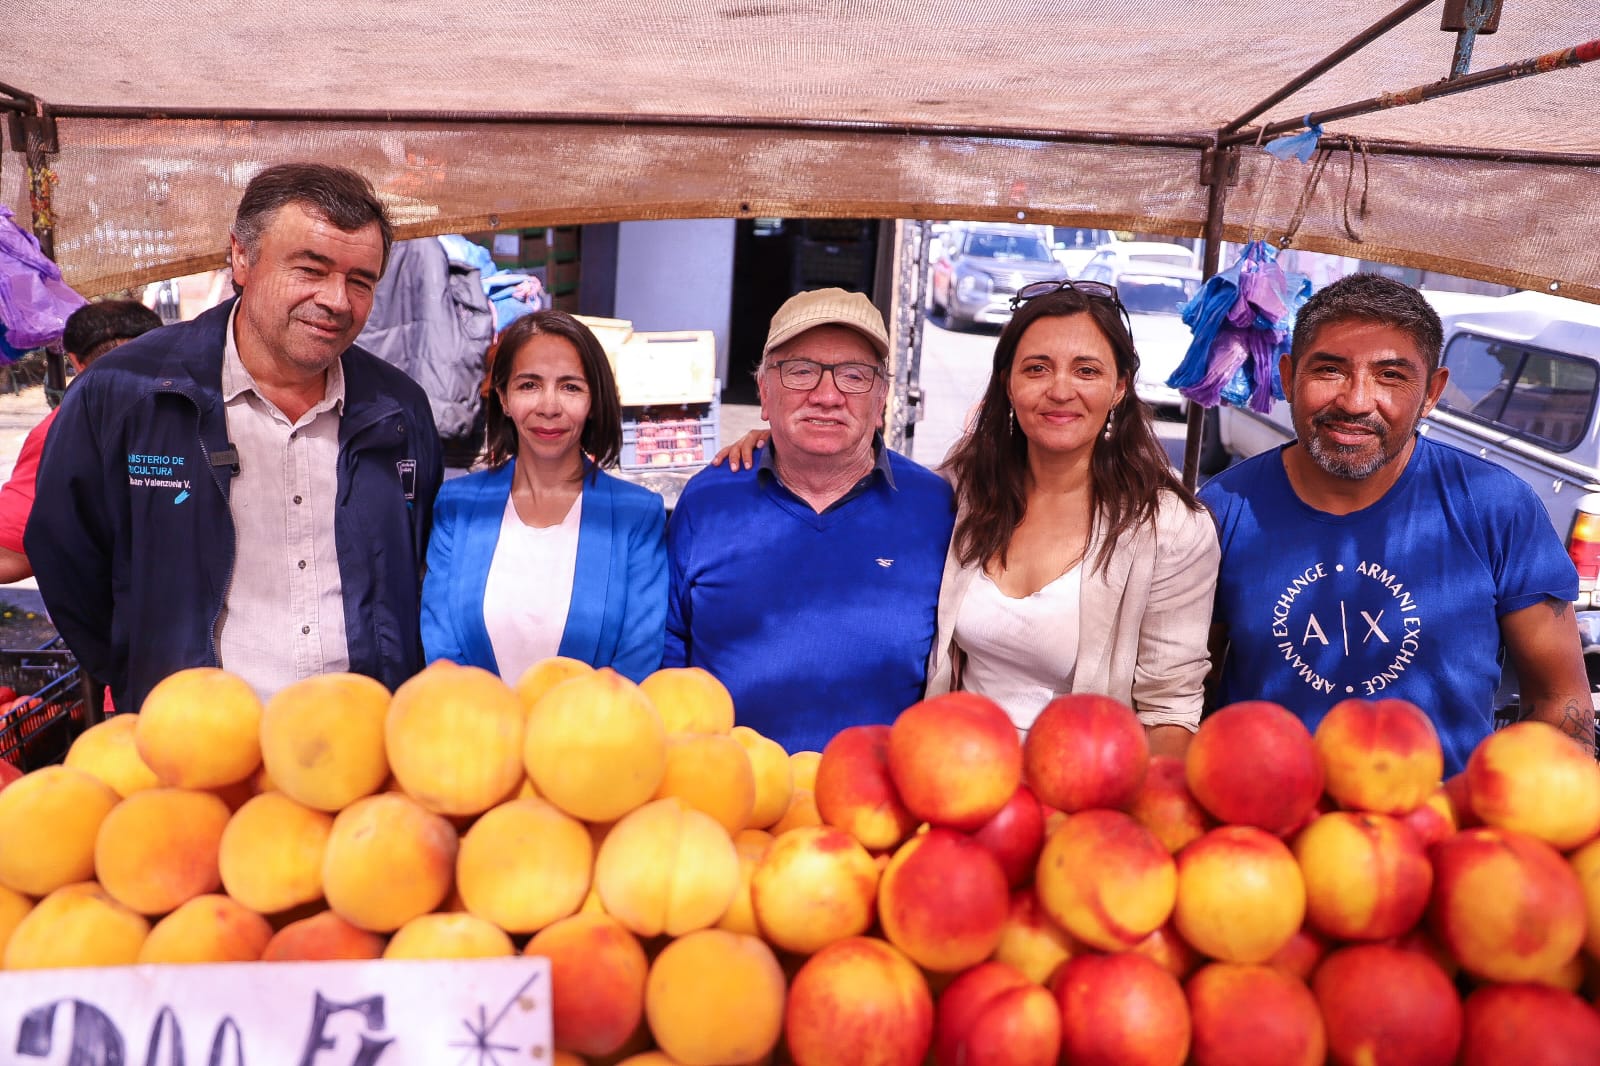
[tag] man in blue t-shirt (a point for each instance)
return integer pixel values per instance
(808, 584)
(1365, 561)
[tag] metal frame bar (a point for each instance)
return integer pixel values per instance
(1196, 141)
(1331, 60)
(1577, 55)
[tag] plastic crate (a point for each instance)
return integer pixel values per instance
(668, 438)
(54, 705)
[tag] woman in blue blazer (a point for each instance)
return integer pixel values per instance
(543, 553)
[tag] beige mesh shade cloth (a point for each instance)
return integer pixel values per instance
(493, 115)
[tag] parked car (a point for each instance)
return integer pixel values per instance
(983, 266)
(1154, 294)
(1523, 391)
(1118, 256)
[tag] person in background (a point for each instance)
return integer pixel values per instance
(1364, 560)
(248, 489)
(807, 584)
(1079, 562)
(544, 553)
(91, 331)
(431, 318)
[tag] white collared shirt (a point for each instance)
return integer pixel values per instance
(283, 613)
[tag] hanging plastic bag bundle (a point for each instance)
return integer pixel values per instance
(1242, 320)
(34, 301)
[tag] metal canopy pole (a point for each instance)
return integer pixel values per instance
(1575, 56)
(33, 135)
(1218, 169)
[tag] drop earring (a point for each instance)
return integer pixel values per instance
(1107, 434)
(1012, 424)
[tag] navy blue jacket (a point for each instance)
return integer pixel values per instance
(131, 537)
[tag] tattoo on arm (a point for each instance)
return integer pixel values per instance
(1558, 608)
(1577, 722)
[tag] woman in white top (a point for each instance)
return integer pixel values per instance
(1079, 562)
(543, 553)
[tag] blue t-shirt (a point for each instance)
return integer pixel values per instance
(1402, 599)
(814, 622)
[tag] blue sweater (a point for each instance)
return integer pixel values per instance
(814, 622)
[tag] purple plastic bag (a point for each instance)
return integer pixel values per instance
(34, 301)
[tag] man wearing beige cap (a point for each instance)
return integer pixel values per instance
(809, 583)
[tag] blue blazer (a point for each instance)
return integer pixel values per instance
(618, 613)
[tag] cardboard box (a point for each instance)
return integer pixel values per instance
(675, 367)
(612, 333)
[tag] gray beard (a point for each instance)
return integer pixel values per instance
(1344, 463)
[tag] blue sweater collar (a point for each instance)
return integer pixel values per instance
(767, 465)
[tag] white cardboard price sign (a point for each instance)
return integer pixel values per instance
(488, 1012)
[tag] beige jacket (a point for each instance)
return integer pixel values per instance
(1143, 620)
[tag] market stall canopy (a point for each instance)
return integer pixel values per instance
(1080, 112)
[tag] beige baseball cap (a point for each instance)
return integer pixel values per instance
(828, 307)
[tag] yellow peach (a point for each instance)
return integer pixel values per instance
(773, 774)
(76, 925)
(200, 728)
(715, 997)
(689, 700)
(596, 747)
(448, 936)
(524, 864)
(667, 868)
(208, 929)
(159, 848)
(322, 740)
(388, 860)
(454, 737)
(272, 853)
(711, 773)
(48, 823)
(110, 752)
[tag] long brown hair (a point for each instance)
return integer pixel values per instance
(602, 430)
(1127, 473)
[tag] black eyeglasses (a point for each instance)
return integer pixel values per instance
(803, 375)
(1094, 290)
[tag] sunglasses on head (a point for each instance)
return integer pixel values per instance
(1094, 290)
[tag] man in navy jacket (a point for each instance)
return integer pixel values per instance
(247, 490)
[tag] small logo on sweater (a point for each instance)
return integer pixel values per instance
(885, 563)
(180, 497)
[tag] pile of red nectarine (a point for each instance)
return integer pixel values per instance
(1272, 897)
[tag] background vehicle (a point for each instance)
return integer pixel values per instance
(1074, 247)
(1123, 255)
(1523, 392)
(1154, 295)
(983, 265)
